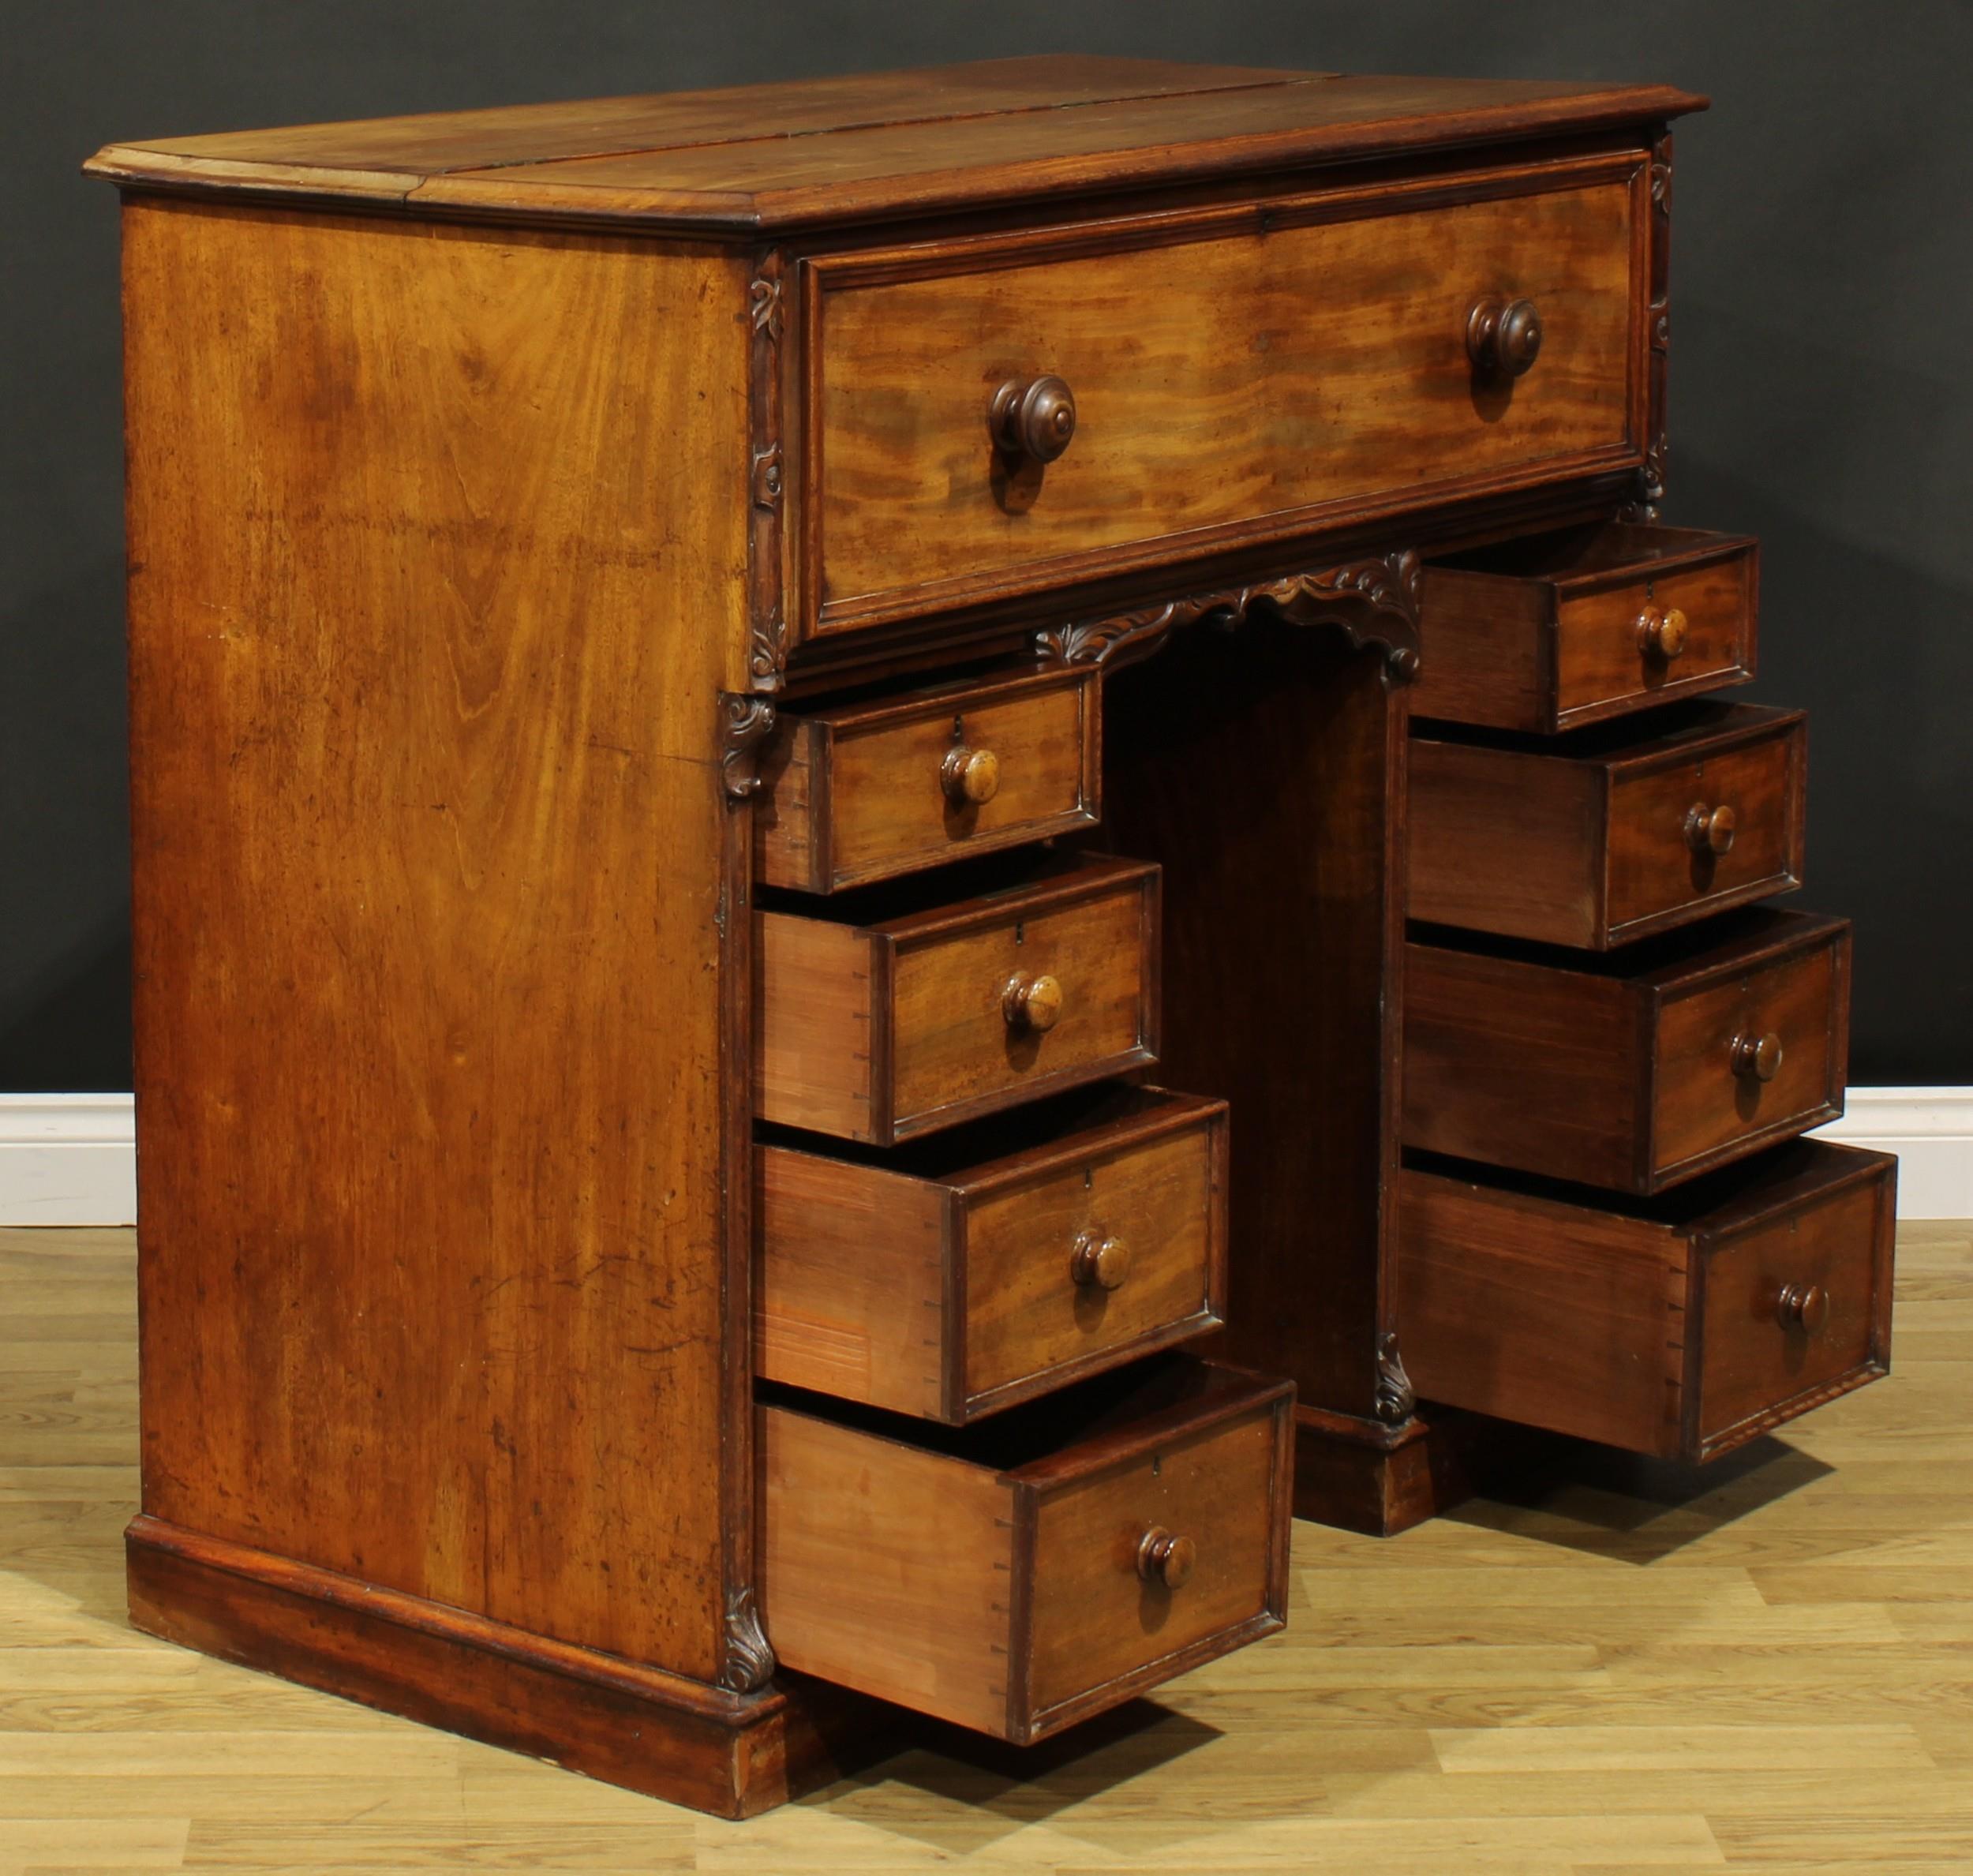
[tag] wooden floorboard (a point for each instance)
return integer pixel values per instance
(1766, 1667)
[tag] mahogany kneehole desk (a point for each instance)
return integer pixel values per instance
(745, 1102)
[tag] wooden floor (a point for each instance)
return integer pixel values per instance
(1766, 1667)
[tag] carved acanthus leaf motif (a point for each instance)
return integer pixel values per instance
(766, 296)
(749, 1661)
(749, 720)
(1393, 1401)
(1643, 505)
(1372, 601)
(770, 657)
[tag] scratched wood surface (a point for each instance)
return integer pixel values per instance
(1764, 1667)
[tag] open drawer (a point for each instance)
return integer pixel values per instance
(1019, 1575)
(1557, 630)
(1678, 1327)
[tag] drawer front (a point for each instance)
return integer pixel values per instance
(873, 790)
(1660, 873)
(941, 1284)
(1020, 1575)
(1680, 1327)
(957, 1052)
(1567, 628)
(1119, 1249)
(1632, 1071)
(1324, 350)
(1102, 1617)
(1759, 1056)
(1610, 640)
(1793, 1309)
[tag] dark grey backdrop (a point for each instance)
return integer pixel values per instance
(1822, 376)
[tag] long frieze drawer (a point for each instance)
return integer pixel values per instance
(1009, 414)
(1632, 1071)
(969, 1272)
(874, 789)
(1679, 1327)
(1559, 630)
(1022, 1574)
(1608, 834)
(890, 1013)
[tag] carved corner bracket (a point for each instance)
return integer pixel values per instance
(1372, 602)
(748, 716)
(749, 1661)
(1393, 1400)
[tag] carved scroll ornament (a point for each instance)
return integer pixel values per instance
(1370, 601)
(1393, 1400)
(749, 1661)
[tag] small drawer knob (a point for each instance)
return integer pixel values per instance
(1709, 829)
(1099, 1262)
(1503, 337)
(970, 776)
(1804, 1306)
(1756, 1057)
(1163, 1558)
(1661, 635)
(1032, 1002)
(1033, 416)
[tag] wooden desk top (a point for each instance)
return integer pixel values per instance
(773, 157)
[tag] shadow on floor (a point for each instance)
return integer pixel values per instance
(993, 1789)
(1604, 1503)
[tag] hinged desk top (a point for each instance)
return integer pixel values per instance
(770, 157)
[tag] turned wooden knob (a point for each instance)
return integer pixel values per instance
(1033, 416)
(1757, 1057)
(1503, 337)
(970, 775)
(1804, 1306)
(1163, 1558)
(1099, 1263)
(1661, 635)
(1709, 829)
(1032, 1003)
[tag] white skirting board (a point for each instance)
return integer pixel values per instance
(68, 1159)
(71, 1159)
(1930, 1129)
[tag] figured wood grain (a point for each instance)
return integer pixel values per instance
(1541, 634)
(1337, 375)
(854, 794)
(819, 152)
(888, 1569)
(1580, 839)
(425, 622)
(851, 1289)
(1620, 1072)
(820, 1035)
(1651, 1326)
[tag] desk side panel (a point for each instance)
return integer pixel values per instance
(434, 576)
